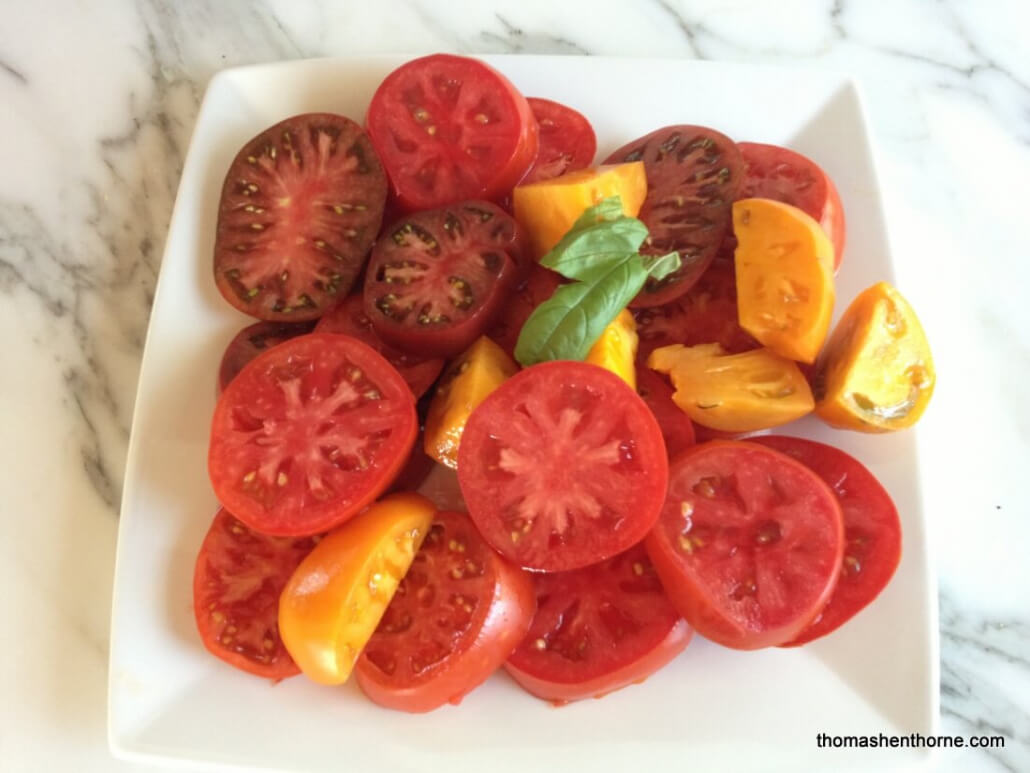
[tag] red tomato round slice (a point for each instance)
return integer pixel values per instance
(748, 545)
(236, 585)
(562, 466)
(301, 205)
(349, 318)
(251, 341)
(677, 428)
(772, 172)
(872, 530)
(537, 287)
(693, 174)
(450, 128)
(567, 140)
(438, 278)
(309, 433)
(456, 616)
(598, 629)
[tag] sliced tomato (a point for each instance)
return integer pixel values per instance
(598, 629)
(693, 174)
(438, 278)
(251, 341)
(561, 466)
(236, 585)
(456, 616)
(450, 128)
(677, 428)
(748, 545)
(872, 530)
(300, 208)
(350, 319)
(309, 433)
(567, 140)
(537, 287)
(773, 172)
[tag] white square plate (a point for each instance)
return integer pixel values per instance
(712, 708)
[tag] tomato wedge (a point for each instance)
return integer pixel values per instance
(456, 616)
(598, 629)
(561, 466)
(450, 128)
(567, 140)
(748, 545)
(677, 428)
(309, 433)
(237, 580)
(872, 530)
(251, 341)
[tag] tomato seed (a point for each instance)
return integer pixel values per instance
(540, 644)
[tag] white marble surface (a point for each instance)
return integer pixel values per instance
(99, 101)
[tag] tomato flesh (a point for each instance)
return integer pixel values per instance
(567, 140)
(251, 341)
(677, 428)
(537, 287)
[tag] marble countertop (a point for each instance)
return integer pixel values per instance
(100, 102)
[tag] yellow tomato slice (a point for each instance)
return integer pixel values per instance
(548, 209)
(743, 392)
(336, 596)
(784, 266)
(616, 349)
(465, 384)
(877, 372)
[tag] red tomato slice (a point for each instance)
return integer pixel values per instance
(456, 616)
(300, 208)
(676, 426)
(872, 530)
(236, 585)
(598, 629)
(251, 341)
(748, 545)
(693, 174)
(450, 128)
(309, 433)
(772, 172)
(567, 140)
(349, 318)
(438, 278)
(561, 466)
(536, 288)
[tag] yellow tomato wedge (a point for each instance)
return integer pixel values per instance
(784, 266)
(465, 384)
(548, 209)
(335, 598)
(743, 392)
(616, 349)
(877, 373)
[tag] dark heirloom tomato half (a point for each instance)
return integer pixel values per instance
(437, 279)
(693, 174)
(677, 428)
(536, 288)
(598, 629)
(236, 585)
(872, 530)
(309, 433)
(251, 341)
(456, 616)
(450, 128)
(349, 318)
(567, 141)
(748, 545)
(300, 208)
(561, 466)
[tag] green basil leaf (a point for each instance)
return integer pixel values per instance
(660, 266)
(585, 253)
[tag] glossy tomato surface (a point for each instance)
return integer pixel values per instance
(308, 433)
(567, 141)
(748, 545)
(252, 341)
(598, 629)
(563, 465)
(872, 530)
(300, 207)
(237, 580)
(677, 428)
(450, 128)
(456, 616)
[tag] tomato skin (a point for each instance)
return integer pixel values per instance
(677, 428)
(416, 123)
(251, 341)
(505, 603)
(567, 140)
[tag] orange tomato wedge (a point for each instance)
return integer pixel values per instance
(616, 349)
(336, 596)
(877, 372)
(784, 266)
(742, 392)
(548, 209)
